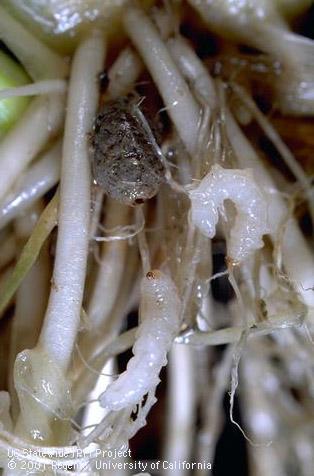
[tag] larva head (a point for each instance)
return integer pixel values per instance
(154, 274)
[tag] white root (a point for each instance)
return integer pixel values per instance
(165, 20)
(238, 351)
(63, 314)
(121, 233)
(295, 88)
(212, 408)
(37, 180)
(110, 273)
(193, 70)
(41, 87)
(241, 20)
(160, 311)
(41, 121)
(251, 221)
(38, 60)
(181, 406)
(178, 100)
(124, 73)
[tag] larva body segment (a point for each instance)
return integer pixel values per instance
(125, 162)
(251, 221)
(160, 313)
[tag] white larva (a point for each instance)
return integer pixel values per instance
(160, 313)
(251, 221)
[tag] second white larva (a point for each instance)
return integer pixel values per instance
(160, 317)
(251, 221)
